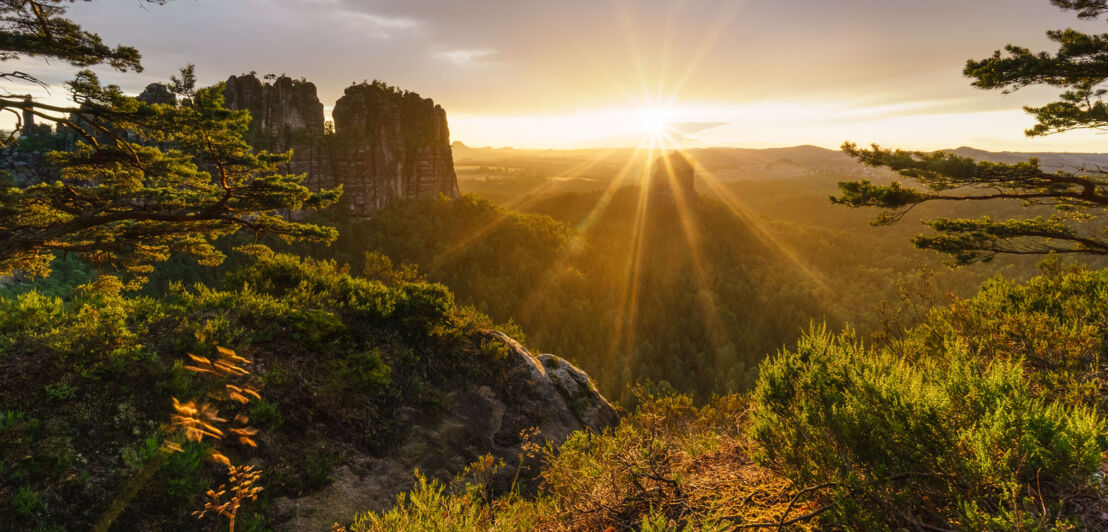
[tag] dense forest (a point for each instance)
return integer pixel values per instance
(630, 303)
(191, 339)
(717, 289)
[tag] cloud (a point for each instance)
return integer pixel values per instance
(463, 57)
(381, 21)
(688, 128)
(376, 25)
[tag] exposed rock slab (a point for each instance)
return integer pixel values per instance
(543, 392)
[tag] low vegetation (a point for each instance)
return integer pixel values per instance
(957, 425)
(88, 383)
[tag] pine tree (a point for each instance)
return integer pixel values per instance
(1079, 199)
(144, 180)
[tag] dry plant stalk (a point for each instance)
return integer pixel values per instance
(530, 448)
(240, 487)
(199, 421)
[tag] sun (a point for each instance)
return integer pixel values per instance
(654, 121)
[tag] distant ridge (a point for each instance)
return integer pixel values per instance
(1068, 161)
(822, 167)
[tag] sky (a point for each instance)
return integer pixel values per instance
(591, 73)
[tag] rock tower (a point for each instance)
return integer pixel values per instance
(386, 144)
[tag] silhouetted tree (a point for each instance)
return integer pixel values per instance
(1080, 68)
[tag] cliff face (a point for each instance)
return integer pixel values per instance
(391, 145)
(386, 144)
(281, 111)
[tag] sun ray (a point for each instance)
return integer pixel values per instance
(624, 333)
(716, 328)
(623, 13)
(622, 338)
(582, 228)
(744, 214)
(477, 234)
(667, 48)
(722, 20)
(655, 114)
(622, 177)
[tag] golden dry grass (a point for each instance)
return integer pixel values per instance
(694, 466)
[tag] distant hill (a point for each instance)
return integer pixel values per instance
(507, 175)
(726, 164)
(1070, 162)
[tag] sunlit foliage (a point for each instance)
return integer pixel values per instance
(955, 426)
(985, 417)
(91, 403)
(668, 466)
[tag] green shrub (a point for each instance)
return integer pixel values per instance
(266, 414)
(429, 506)
(369, 371)
(26, 501)
(942, 441)
(422, 306)
(314, 326)
(253, 522)
(184, 471)
(9, 418)
(60, 391)
(318, 466)
(138, 455)
(341, 353)
(416, 306)
(1055, 326)
(362, 372)
(276, 376)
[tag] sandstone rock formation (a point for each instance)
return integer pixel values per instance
(543, 392)
(157, 93)
(280, 112)
(386, 144)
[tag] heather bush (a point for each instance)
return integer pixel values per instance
(946, 440)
